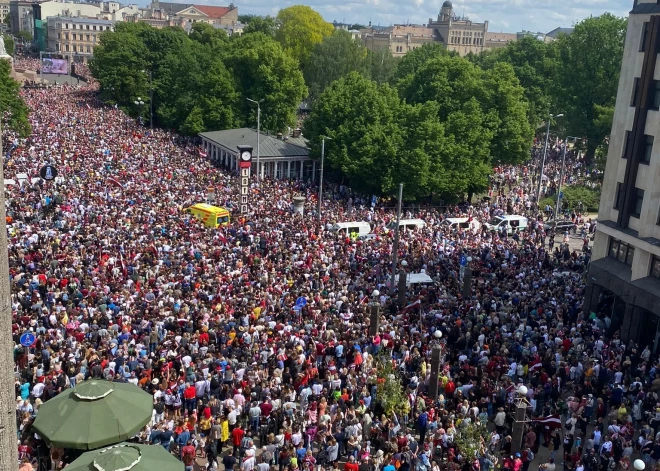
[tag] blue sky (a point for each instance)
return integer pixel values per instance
(503, 15)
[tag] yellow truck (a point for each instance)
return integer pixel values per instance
(211, 216)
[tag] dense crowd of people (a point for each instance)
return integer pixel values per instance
(117, 282)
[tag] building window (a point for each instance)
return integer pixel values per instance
(618, 198)
(621, 251)
(639, 199)
(645, 33)
(655, 95)
(648, 149)
(626, 145)
(89, 49)
(633, 99)
(655, 267)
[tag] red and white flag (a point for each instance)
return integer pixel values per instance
(364, 300)
(534, 367)
(115, 182)
(550, 421)
(203, 154)
(411, 306)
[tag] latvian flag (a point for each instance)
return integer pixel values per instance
(535, 366)
(550, 421)
(202, 154)
(411, 306)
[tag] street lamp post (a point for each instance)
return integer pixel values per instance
(395, 245)
(151, 100)
(258, 103)
(561, 175)
(323, 138)
(140, 104)
(545, 153)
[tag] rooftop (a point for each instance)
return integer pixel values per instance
(87, 21)
(270, 146)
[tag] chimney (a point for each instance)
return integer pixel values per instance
(279, 136)
(296, 133)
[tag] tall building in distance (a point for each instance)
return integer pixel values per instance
(456, 33)
(624, 274)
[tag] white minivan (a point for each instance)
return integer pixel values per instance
(510, 221)
(407, 224)
(463, 223)
(358, 228)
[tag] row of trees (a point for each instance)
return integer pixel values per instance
(433, 120)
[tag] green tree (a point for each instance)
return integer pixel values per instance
(26, 36)
(389, 387)
(206, 34)
(262, 70)
(408, 65)
(266, 25)
(381, 64)
(361, 118)
(9, 43)
(197, 90)
(12, 107)
(334, 57)
(589, 66)
(535, 64)
(471, 439)
(118, 64)
(495, 97)
(300, 28)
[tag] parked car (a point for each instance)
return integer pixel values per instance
(560, 226)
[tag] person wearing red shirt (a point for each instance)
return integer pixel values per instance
(188, 456)
(266, 408)
(236, 437)
(351, 465)
(190, 396)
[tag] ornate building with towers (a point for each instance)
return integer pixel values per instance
(459, 34)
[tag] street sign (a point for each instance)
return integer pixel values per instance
(28, 339)
(48, 172)
(561, 194)
(301, 302)
(463, 260)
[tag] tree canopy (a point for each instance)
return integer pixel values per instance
(200, 81)
(12, 106)
(334, 57)
(588, 77)
(299, 29)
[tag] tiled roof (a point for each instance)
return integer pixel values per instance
(270, 146)
(645, 9)
(213, 12)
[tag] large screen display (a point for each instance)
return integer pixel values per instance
(54, 66)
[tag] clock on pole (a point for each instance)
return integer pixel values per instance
(245, 165)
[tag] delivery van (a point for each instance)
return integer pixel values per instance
(510, 221)
(463, 223)
(211, 216)
(407, 224)
(354, 229)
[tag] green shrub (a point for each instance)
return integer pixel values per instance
(575, 194)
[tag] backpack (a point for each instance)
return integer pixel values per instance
(159, 407)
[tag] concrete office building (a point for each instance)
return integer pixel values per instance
(624, 275)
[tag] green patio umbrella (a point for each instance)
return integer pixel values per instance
(127, 457)
(95, 413)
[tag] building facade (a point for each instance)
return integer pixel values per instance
(185, 14)
(4, 10)
(456, 34)
(459, 34)
(624, 274)
(75, 38)
(282, 157)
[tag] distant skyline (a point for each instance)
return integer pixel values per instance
(503, 15)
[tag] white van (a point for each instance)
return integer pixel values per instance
(358, 228)
(510, 221)
(463, 223)
(407, 224)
